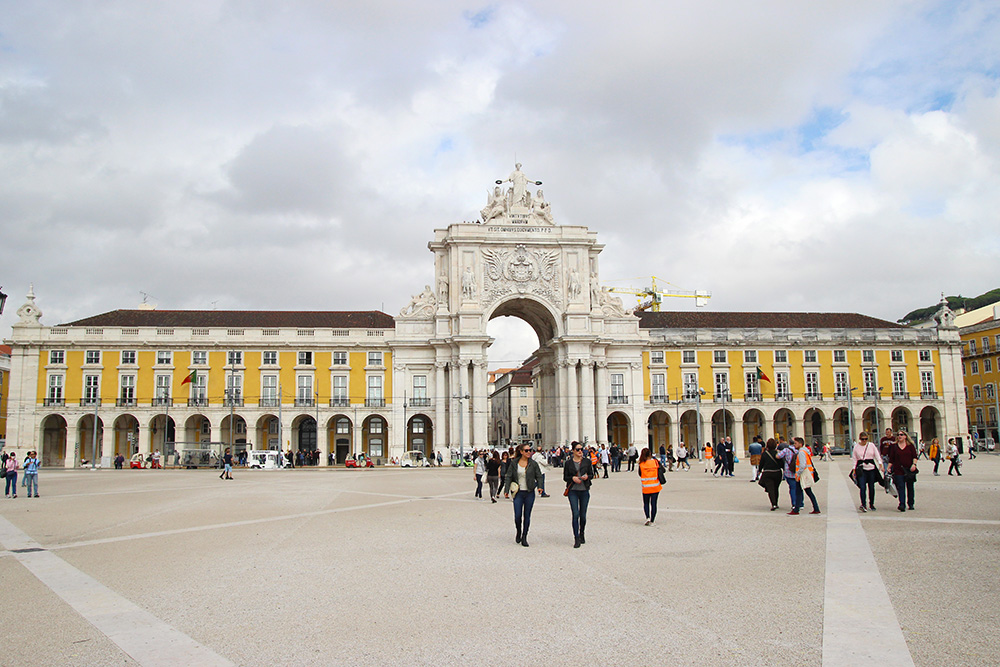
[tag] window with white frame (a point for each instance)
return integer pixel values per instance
(617, 387)
(524, 430)
(269, 358)
(977, 393)
(375, 425)
(990, 391)
(199, 358)
(719, 356)
(781, 383)
(234, 358)
(241, 426)
(522, 392)
(206, 427)
(868, 356)
(781, 356)
(972, 347)
(987, 365)
(126, 388)
(870, 387)
(993, 414)
(752, 384)
(986, 344)
(57, 356)
(340, 358)
(304, 387)
(896, 356)
(690, 385)
(340, 389)
(269, 388)
(925, 355)
(420, 388)
(840, 356)
(687, 357)
(234, 386)
(899, 382)
(92, 357)
(722, 384)
(343, 426)
(199, 387)
(750, 356)
(659, 388)
(164, 357)
(974, 367)
(375, 387)
(840, 383)
(812, 384)
(374, 358)
(55, 392)
(305, 358)
(656, 357)
(162, 386)
(523, 411)
(417, 425)
(128, 357)
(979, 415)
(809, 356)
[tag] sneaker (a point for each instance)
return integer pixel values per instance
(814, 512)
(863, 509)
(900, 509)
(793, 513)
(873, 508)
(910, 508)
(647, 522)
(774, 507)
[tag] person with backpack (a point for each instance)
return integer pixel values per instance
(805, 474)
(789, 457)
(31, 473)
(770, 473)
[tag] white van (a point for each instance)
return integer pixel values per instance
(264, 459)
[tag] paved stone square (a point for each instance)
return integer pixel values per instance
(389, 566)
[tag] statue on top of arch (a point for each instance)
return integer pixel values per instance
(516, 205)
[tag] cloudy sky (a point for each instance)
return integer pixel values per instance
(838, 156)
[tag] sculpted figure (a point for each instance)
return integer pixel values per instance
(543, 209)
(494, 205)
(443, 287)
(421, 302)
(595, 290)
(468, 283)
(518, 185)
(574, 284)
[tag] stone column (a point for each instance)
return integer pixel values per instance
(454, 373)
(440, 393)
(573, 400)
(601, 418)
(323, 442)
(829, 431)
(563, 408)
(480, 418)
(588, 401)
(739, 442)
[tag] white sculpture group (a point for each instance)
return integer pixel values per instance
(517, 198)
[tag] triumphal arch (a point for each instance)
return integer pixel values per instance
(518, 261)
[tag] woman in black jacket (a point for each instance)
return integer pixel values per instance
(771, 472)
(578, 473)
(526, 474)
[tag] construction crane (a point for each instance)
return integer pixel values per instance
(651, 297)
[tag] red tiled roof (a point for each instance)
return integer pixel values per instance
(5, 349)
(709, 320)
(265, 319)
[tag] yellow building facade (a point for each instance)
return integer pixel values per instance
(981, 375)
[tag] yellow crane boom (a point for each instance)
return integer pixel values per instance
(651, 297)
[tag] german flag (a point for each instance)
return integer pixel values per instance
(761, 376)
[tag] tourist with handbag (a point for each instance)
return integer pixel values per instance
(770, 472)
(523, 476)
(805, 474)
(903, 467)
(866, 459)
(578, 473)
(651, 478)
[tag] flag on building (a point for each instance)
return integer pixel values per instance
(761, 376)
(194, 376)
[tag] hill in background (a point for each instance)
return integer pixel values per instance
(955, 303)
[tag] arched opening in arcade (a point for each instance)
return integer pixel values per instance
(304, 433)
(341, 435)
(197, 430)
(518, 405)
(690, 431)
(753, 426)
(161, 434)
(841, 429)
(90, 448)
(374, 436)
(930, 420)
(814, 426)
(54, 441)
(873, 421)
(723, 424)
(234, 433)
(419, 435)
(658, 431)
(902, 420)
(126, 436)
(784, 425)
(618, 430)
(267, 433)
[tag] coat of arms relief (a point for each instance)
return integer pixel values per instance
(521, 271)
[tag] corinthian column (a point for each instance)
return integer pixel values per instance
(588, 401)
(573, 401)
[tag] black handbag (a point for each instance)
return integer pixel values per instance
(660, 476)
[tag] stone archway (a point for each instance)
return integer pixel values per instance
(658, 431)
(753, 425)
(784, 425)
(341, 436)
(54, 434)
(930, 419)
(420, 435)
(814, 425)
(126, 436)
(902, 420)
(618, 430)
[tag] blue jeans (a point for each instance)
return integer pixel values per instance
(11, 487)
(795, 492)
(479, 485)
(905, 489)
(866, 481)
(578, 501)
(523, 502)
(649, 505)
(31, 480)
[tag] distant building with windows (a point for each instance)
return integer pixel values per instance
(981, 371)
(515, 410)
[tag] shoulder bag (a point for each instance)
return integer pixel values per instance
(660, 477)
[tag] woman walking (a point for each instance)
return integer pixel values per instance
(935, 454)
(866, 460)
(493, 476)
(523, 472)
(903, 467)
(479, 468)
(649, 474)
(31, 472)
(504, 465)
(578, 473)
(955, 458)
(805, 474)
(770, 472)
(10, 466)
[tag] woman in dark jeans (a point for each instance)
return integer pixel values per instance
(866, 459)
(493, 476)
(903, 467)
(527, 474)
(771, 472)
(578, 473)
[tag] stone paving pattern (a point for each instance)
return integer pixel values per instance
(390, 566)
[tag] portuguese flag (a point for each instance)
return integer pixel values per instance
(760, 375)
(194, 376)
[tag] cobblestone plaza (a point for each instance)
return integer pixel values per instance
(391, 566)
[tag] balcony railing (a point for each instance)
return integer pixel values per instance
(374, 402)
(197, 402)
(232, 402)
(723, 397)
(783, 396)
(161, 401)
(872, 395)
(91, 402)
(901, 395)
(49, 402)
(930, 395)
(269, 402)
(752, 398)
(420, 402)
(342, 402)
(305, 402)
(814, 396)
(659, 398)
(840, 395)
(125, 402)
(617, 400)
